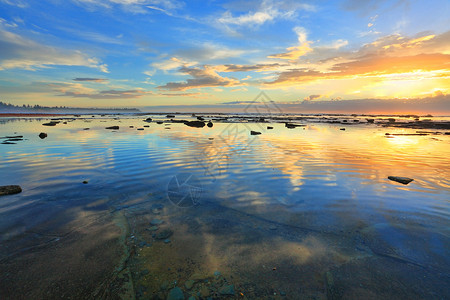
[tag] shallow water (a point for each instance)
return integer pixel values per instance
(303, 213)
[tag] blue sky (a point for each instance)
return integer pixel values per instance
(136, 53)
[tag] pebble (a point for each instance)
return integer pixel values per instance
(166, 241)
(189, 284)
(156, 222)
(175, 294)
(227, 290)
(164, 234)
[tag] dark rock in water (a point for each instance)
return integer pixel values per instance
(14, 140)
(342, 129)
(403, 180)
(164, 234)
(167, 241)
(175, 294)
(269, 127)
(50, 124)
(8, 143)
(200, 119)
(370, 120)
(42, 135)
(113, 127)
(140, 129)
(148, 120)
(86, 128)
(85, 182)
(198, 124)
(12, 137)
(290, 125)
(9, 190)
(159, 122)
(391, 120)
(210, 124)
(227, 290)
(254, 132)
(131, 126)
(146, 126)
(170, 116)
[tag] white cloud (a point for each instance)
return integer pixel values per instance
(20, 52)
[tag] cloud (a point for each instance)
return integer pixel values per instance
(172, 64)
(20, 52)
(202, 77)
(110, 94)
(246, 68)
(311, 97)
(258, 13)
(386, 56)
(134, 6)
(196, 95)
(90, 79)
(293, 53)
(18, 3)
(209, 51)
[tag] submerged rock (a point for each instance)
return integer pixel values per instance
(175, 294)
(156, 222)
(189, 284)
(269, 127)
(403, 180)
(10, 189)
(42, 135)
(254, 132)
(50, 123)
(113, 127)
(164, 234)
(227, 290)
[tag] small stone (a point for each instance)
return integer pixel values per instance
(153, 228)
(217, 273)
(156, 222)
(227, 290)
(204, 292)
(113, 127)
(189, 284)
(164, 234)
(166, 241)
(269, 127)
(282, 293)
(42, 135)
(175, 294)
(273, 227)
(254, 132)
(85, 182)
(343, 129)
(140, 129)
(403, 180)
(10, 189)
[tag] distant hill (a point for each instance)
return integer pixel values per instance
(11, 108)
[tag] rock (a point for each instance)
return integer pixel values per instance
(131, 126)
(10, 190)
(8, 143)
(85, 182)
(273, 227)
(153, 228)
(159, 122)
(192, 298)
(370, 120)
(200, 119)
(156, 222)
(86, 128)
(204, 292)
(254, 132)
(343, 129)
(210, 124)
(148, 120)
(140, 129)
(404, 180)
(42, 135)
(113, 127)
(198, 124)
(166, 241)
(146, 126)
(189, 284)
(170, 116)
(227, 290)
(50, 124)
(175, 294)
(269, 127)
(164, 234)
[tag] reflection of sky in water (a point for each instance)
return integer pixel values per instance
(317, 177)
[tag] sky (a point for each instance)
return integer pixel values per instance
(223, 54)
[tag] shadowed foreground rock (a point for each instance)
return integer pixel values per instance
(9, 190)
(113, 127)
(42, 135)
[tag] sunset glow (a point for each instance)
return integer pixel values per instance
(149, 53)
